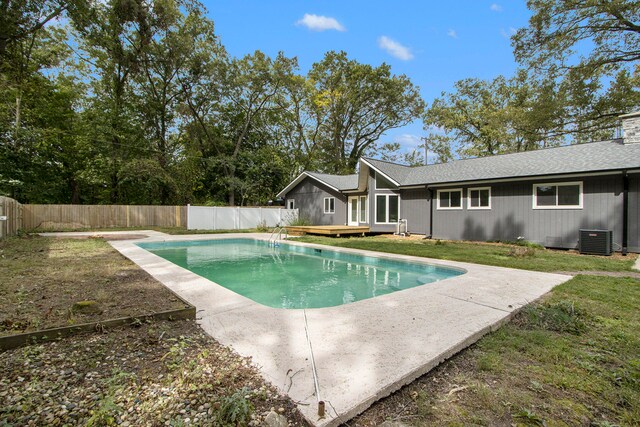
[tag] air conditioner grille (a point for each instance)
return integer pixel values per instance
(597, 242)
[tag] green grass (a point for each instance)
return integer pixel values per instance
(501, 255)
(571, 359)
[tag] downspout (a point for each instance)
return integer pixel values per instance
(430, 235)
(625, 212)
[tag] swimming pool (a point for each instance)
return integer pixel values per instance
(295, 276)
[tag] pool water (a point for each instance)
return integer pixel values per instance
(293, 276)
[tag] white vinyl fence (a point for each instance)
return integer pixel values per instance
(230, 218)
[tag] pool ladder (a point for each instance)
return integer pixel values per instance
(276, 235)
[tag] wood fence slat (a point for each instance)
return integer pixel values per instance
(43, 217)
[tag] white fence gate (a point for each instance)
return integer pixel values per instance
(230, 218)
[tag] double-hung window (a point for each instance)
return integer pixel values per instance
(560, 195)
(387, 208)
(450, 199)
(479, 198)
(329, 205)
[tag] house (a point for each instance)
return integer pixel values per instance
(544, 196)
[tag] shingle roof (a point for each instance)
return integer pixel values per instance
(589, 157)
(341, 182)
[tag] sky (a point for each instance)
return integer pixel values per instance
(434, 43)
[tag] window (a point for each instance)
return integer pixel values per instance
(450, 199)
(383, 183)
(562, 195)
(387, 208)
(291, 203)
(329, 205)
(479, 198)
(363, 209)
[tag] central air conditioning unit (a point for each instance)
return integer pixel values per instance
(596, 242)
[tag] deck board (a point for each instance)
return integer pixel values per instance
(328, 230)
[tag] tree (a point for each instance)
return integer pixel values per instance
(493, 117)
(594, 47)
(557, 28)
(352, 105)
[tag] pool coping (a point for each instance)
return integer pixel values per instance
(364, 350)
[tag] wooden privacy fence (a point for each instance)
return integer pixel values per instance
(59, 217)
(10, 217)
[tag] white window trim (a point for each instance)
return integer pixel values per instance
(473, 208)
(556, 184)
(376, 182)
(324, 205)
(292, 203)
(375, 211)
(366, 210)
(450, 190)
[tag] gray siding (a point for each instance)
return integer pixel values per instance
(309, 196)
(634, 213)
(414, 207)
(512, 215)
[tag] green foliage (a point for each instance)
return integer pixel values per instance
(262, 227)
(299, 221)
(235, 410)
(482, 253)
(562, 316)
(579, 72)
(351, 105)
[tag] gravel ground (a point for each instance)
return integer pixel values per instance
(161, 373)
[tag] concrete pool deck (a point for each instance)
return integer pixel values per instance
(363, 351)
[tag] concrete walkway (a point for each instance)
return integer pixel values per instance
(364, 350)
(636, 266)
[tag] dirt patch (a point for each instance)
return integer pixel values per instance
(161, 373)
(108, 236)
(45, 278)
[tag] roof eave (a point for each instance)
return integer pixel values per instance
(393, 181)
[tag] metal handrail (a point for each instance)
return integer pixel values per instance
(278, 231)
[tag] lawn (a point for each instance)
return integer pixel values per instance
(144, 374)
(48, 282)
(572, 358)
(501, 255)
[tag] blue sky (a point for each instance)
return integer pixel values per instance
(435, 43)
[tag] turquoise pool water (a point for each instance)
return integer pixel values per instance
(292, 276)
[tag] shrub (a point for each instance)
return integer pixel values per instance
(562, 316)
(521, 252)
(262, 226)
(235, 410)
(300, 221)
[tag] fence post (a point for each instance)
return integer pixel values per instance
(188, 215)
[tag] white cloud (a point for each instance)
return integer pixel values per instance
(508, 33)
(452, 33)
(320, 23)
(496, 7)
(394, 48)
(408, 141)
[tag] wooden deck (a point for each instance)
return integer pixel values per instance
(328, 230)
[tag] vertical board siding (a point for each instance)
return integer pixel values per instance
(512, 214)
(13, 211)
(44, 217)
(634, 213)
(309, 196)
(414, 207)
